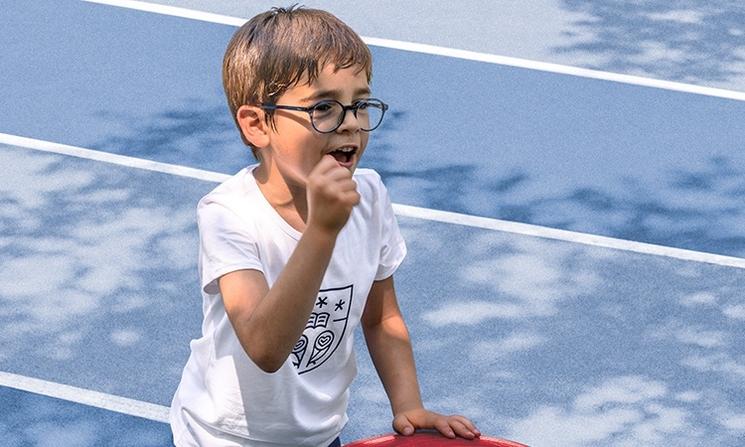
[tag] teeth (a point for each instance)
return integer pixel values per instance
(346, 150)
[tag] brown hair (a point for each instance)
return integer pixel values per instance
(275, 50)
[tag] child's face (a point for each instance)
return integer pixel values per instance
(295, 146)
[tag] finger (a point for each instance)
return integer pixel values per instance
(347, 185)
(469, 425)
(402, 426)
(338, 173)
(329, 181)
(344, 190)
(330, 163)
(443, 427)
(324, 166)
(460, 429)
(351, 198)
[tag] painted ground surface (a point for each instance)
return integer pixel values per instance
(549, 342)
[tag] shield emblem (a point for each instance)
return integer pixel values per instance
(325, 329)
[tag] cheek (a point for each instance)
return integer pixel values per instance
(310, 149)
(298, 143)
(363, 142)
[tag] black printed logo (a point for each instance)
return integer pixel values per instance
(325, 329)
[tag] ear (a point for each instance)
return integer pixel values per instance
(251, 120)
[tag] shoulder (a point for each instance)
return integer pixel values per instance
(229, 197)
(369, 182)
(367, 174)
(375, 201)
(233, 188)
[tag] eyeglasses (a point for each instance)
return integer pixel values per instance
(326, 116)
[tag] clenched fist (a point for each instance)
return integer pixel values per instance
(332, 193)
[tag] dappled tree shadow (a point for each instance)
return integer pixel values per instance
(487, 149)
(696, 209)
(195, 133)
(688, 41)
(101, 257)
(683, 214)
(507, 329)
(515, 332)
(529, 336)
(33, 420)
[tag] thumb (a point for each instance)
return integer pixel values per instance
(402, 425)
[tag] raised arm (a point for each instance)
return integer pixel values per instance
(269, 321)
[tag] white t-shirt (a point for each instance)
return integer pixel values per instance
(304, 403)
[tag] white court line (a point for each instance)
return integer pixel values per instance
(121, 160)
(401, 210)
(83, 396)
(451, 52)
(174, 11)
(567, 236)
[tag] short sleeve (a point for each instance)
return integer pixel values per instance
(226, 245)
(393, 246)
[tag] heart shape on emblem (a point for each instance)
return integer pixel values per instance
(324, 340)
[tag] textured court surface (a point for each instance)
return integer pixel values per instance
(543, 341)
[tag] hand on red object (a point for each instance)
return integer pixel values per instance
(407, 422)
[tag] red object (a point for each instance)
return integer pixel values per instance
(431, 439)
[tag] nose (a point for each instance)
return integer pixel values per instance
(349, 121)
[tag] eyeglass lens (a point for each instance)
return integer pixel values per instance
(327, 116)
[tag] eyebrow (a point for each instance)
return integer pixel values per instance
(334, 94)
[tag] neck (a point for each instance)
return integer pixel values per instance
(282, 193)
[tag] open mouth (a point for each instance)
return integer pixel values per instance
(344, 155)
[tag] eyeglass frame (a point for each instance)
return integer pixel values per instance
(354, 107)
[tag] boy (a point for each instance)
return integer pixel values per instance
(297, 250)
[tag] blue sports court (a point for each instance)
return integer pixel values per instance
(571, 200)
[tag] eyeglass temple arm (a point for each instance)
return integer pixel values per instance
(282, 107)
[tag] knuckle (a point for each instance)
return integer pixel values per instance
(328, 189)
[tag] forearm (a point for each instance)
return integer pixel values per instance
(390, 349)
(279, 319)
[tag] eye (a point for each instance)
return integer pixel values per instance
(323, 106)
(362, 104)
